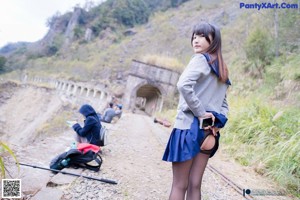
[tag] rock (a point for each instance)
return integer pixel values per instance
(62, 179)
(48, 194)
(34, 180)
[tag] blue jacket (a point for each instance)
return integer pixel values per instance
(92, 125)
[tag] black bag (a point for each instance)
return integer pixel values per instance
(76, 158)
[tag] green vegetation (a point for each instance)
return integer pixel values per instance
(131, 12)
(163, 61)
(115, 14)
(2, 63)
(258, 50)
(57, 124)
(5, 148)
(263, 130)
(265, 137)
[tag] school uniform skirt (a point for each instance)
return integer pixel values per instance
(184, 145)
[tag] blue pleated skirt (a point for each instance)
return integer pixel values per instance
(184, 145)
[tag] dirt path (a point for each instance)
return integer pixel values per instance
(133, 157)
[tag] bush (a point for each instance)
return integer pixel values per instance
(258, 49)
(175, 3)
(51, 50)
(289, 23)
(131, 12)
(78, 32)
(266, 138)
(2, 63)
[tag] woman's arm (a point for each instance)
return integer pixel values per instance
(196, 68)
(225, 107)
(88, 125)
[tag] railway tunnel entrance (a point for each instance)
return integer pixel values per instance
(149, 99)
(147, 86)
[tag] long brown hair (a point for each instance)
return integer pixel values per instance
(215, 46)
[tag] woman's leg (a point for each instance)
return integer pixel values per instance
(209, 141)
(80, 139)
(181, 172)
(195, 176)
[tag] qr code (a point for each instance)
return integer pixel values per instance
(11, 188)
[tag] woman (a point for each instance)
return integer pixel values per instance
(90, 132)
(202, 87)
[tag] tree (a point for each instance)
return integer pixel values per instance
(131, 12)
(258, 49)
(78, 32)
(175, 3)
(51, 20)
(2, 63)
(276, 39)
(289, 22)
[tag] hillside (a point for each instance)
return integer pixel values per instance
(166, 33)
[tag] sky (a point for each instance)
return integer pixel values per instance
(25, 20)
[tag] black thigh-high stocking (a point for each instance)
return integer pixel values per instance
(195, 177)
(181, 172)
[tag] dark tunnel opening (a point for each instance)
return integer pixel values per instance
(148, 99)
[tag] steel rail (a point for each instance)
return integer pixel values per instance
(235, 186)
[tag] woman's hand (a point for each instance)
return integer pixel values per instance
(214, 129)
(208, 115)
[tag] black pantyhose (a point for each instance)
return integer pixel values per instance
(208, 143)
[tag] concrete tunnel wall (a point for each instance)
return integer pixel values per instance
(149, 99)
(148, 85)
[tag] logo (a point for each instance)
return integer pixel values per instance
(261, 192)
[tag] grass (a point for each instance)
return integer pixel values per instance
(163, 61)
(266, 138)
(283, 66)
(167, 115)
(57, 125)
(5, 148)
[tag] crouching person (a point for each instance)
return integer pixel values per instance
(89, 133)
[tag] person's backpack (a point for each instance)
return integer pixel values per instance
(85, 156)
(103, 136)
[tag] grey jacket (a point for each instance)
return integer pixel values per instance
(200, 91)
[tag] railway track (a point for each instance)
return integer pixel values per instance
(234, 185)
(163, 139)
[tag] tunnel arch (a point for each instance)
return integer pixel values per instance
(148, 85)
(148, 97)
